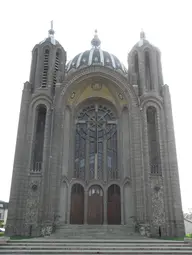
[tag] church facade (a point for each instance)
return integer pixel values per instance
(95, 143)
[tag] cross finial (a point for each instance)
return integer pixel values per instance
(51, 31)
(142, 34)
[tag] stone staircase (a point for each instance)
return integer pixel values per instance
(94, 232)
(95, 246)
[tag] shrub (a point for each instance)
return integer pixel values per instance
(1, 223)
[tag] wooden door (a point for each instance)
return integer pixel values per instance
(114, 205)
(95, 205)
(77, 204)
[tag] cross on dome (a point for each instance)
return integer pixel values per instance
(95, 42)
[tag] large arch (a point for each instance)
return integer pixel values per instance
(96, 142)
(95, 212)
(114, 205)
(119, 80)
(77, 204)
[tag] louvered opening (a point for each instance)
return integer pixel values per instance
(56, 69)
(45, 69)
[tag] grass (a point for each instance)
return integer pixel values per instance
(189, 236)
(172, 238)
(20, 237)
(1, 234)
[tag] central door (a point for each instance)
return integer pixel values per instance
(95, 205)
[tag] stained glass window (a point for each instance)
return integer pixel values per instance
(96, 143)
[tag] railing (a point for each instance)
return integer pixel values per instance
(155, 169)
(37, 167)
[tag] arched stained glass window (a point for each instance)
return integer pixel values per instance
(154, 149)
(96, 143)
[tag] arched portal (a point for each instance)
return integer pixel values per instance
(114, 205)
(95, 205)
(77, 204)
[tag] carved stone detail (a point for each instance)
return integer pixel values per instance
(157, 196)
(32, 204)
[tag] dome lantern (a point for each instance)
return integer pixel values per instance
(95, 42)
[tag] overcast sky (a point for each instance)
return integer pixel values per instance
(167, 24)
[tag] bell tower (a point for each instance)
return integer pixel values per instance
(48, 63)
(31, 163)
(145, 71)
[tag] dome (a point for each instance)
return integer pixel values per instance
(96, 57)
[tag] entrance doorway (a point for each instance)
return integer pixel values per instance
(114, 205)
(95, 205)
(77, 204)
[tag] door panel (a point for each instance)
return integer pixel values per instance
(114, 205)
(77, 205)
(95, 206)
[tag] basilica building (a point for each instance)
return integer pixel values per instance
(95, 143)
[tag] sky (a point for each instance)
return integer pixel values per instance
(167, 25)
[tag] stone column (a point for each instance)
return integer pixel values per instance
(137, 160)
(122, 206)
(20, 172)
(63, 206)
(105, 206)
(66, 141)
(69, 205)
(45, 208)
(85, 205)
(125, 144)
(175, 199)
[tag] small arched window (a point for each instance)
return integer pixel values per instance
(153, 141)
(136, 70)
(56, 68)
(148, 79)
(159, 71)
(39, 138)
(45, 68)
(33, 66)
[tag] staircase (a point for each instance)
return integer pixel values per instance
(94, 232)
(94, 246)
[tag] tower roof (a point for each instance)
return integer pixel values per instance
(50, 37)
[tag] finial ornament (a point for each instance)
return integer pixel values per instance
(142, 34)
(95, 41)
(51, 31)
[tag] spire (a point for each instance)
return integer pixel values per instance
(95, 41)
(51, 31)
(142, 35)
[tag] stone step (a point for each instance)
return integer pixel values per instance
(96, 246)
(92, 244)
(99, 241)
(103, 245)
(107, 252)
(62, 247)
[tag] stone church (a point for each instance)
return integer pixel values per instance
(95, 143)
